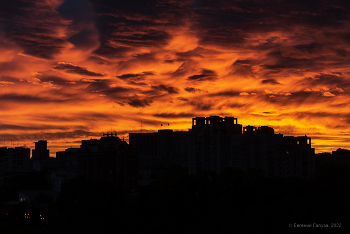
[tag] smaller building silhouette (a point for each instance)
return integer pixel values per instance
(339, 157)
(40, 152)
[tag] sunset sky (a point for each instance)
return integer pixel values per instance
(74, 69)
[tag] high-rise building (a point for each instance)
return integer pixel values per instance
(211, 141)
(13, 160)
(161, 152)
(40, 151)
(215, 143)
(109, 159)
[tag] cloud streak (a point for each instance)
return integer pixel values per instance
(70, 68)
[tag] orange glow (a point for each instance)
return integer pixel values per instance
(69, 74)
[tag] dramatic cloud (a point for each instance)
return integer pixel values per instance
(182, 99)
(205, 75)
(23, 24)
(28, 99)
(270, 81)
(134, 102)
(175, 115)
(135, 79)
(67, 67)
(193, 90)
(72, 69)
(165, 88)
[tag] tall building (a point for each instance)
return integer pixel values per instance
(160, 153)
(13, 160)
(40, 151)
(109, 159)
(215, 143)
(210, 143)
(299, 157)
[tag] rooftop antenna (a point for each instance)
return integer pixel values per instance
(141, 126)
(168, 126)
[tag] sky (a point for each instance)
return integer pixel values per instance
(75, 69)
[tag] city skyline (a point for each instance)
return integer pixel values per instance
(74, 69)
(205, 121)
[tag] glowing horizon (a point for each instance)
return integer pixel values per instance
(73, 69)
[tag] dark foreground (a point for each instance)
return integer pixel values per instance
(233, 202)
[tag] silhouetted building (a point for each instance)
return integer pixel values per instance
(160, 153)
(13, 160)
(339, 157)
(211, 139)
(16, 158)
(40, 152)
(32, 207)
(215, 143)
(109, 159)
(69, 154)
(47, 164)
(299, 156)
(57, 177)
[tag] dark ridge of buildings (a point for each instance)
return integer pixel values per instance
(215, 143)
(339, 157)
(107, 159)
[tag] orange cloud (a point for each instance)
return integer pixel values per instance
(68, 73)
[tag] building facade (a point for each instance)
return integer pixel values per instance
(13, 160)
(215, 143)
(109, 159)
(40, 152)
